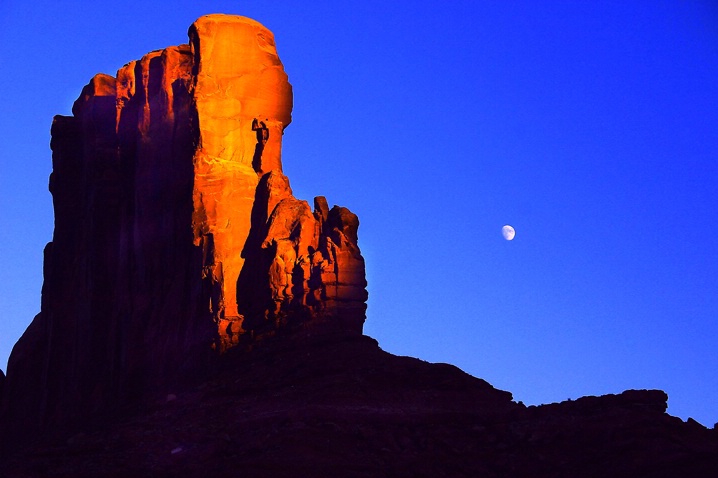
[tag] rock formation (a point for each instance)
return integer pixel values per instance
(199, 320)
(168, 192)
(315, 269)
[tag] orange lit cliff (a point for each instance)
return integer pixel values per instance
(176, 233)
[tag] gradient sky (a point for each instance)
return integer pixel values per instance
(591, 127)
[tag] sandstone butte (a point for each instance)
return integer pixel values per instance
(176, 231)
(198, 320)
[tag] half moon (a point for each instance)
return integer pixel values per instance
(508, 232)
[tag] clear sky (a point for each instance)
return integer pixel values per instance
(591, 127)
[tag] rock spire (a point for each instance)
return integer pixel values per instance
(176, 233)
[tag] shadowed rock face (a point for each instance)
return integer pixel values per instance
(160, 176)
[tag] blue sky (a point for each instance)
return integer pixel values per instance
(588, 126)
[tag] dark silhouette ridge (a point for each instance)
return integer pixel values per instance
(326, 403)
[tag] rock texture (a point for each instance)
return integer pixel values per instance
(168, 192)
(315, 269)
(232, 96)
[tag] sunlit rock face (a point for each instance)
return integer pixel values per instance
(176, 233)
(239, 100)
(301, 265)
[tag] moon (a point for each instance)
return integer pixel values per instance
(508, 232)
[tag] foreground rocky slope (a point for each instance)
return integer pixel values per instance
(337, 405)
(199, 320)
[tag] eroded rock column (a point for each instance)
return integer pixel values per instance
(175, 231)
(243, 102)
